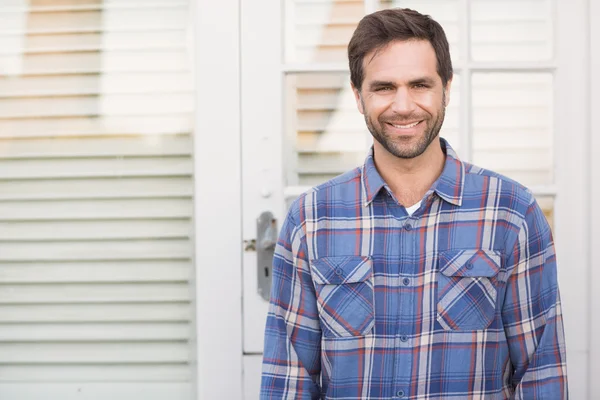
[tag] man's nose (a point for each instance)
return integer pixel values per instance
(403, 102)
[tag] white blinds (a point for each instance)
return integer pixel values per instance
(95, 192)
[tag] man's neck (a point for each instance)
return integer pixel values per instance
(410, 179)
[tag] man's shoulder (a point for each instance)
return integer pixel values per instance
(483, 181)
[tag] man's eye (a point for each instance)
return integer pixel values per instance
(383, 89)
(420, 86)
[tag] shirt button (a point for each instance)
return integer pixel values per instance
(469, 266)
(339, 271)
(408, 227)
(404, 338)
(400, 393)
(406, 281)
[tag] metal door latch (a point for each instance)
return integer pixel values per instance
(266, 239)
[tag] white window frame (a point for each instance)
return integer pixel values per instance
(217, 172)
(594, 211)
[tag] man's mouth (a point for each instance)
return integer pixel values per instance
(405, 126)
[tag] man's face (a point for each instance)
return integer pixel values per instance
(402, 97)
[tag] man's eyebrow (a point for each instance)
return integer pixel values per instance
(376, 84)
(422, 81)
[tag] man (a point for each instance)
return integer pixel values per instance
(416, 275)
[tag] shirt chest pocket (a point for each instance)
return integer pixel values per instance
(468, 284)
(345, 295)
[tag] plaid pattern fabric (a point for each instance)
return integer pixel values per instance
(458, 301)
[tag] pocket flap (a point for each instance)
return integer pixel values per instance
(470, 263)
(338, 270)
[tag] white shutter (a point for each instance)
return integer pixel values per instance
(96, 102)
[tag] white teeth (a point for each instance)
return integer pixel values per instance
(406, 126)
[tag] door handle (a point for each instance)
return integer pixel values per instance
(266, 239)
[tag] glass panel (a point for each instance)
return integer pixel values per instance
(443, 11)
(512, 123)
(327, 135)
(319, 30)
(511, 30)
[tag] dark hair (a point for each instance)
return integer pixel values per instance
(377, 30)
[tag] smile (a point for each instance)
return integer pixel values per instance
(406, 126)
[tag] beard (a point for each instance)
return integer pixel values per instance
(397, 145)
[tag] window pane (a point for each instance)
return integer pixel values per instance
(326, 134)
(443, 11)
(511, 30)
(319, 31)
(512, 123)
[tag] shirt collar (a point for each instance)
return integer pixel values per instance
(449, 186)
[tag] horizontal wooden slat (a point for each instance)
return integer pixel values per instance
(328, 12)
(156, 390)
(511, 10)
(94, 332)
(521, 139)
(81, 313)
(88, 353)
(90, 6)
(96, 250)
(519, 33)
(117, 104)
(95, 209)
(116, 188)
(95, 167)
(96, 272)
(512, 118)
(105, 85)
(92, 41)
(138, 373)
(98, 126)
(133, 18)
(330, 163)
(95, 230)
(311, 180)
(515, 159)
(93, 293)
(333, 141)
(516, 52)
(96, 147)
(90, 62)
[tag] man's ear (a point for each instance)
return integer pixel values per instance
(357, 97)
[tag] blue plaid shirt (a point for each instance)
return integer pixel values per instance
(458, 301)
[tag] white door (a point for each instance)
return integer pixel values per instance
(515, 95)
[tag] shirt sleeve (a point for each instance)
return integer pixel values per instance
(291, 360)
(532, 313)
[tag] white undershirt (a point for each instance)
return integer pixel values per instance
(410, 210)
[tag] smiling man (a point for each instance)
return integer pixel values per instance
(416, 275)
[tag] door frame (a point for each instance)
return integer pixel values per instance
(594, 201)
(217, 283)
